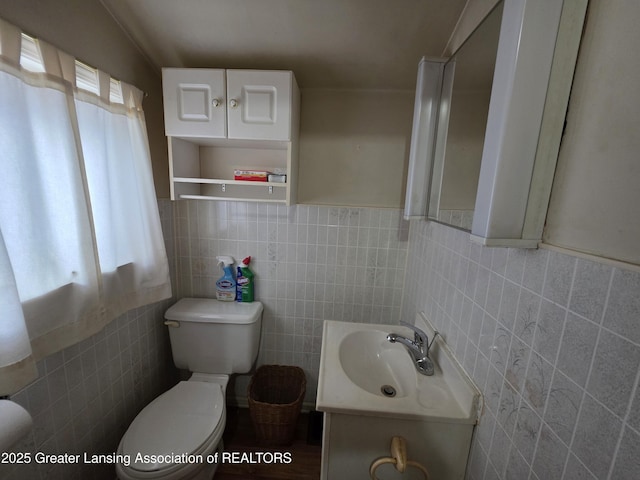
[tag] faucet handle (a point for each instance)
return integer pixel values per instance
(419, 335)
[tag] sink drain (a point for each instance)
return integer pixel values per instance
(388, 391)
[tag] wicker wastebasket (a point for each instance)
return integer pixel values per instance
(275, 400)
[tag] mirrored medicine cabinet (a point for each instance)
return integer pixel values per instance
(488, 122)
(462, 122)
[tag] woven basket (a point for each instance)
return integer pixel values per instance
(275, 400)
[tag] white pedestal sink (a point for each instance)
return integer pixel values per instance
(371, 391)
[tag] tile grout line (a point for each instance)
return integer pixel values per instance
(557, 356)
(522, 399)
(632, 395)
(584, 391)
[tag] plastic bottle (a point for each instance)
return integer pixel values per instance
(244, 285)
(226, 285)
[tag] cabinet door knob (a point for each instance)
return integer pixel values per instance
(215, 102)
(233, 103)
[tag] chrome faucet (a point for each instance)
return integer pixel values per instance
(418, 348)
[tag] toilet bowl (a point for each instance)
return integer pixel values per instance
(177, 435)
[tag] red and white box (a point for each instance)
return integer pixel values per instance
(251, 175)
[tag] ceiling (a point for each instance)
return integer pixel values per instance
(352, 44)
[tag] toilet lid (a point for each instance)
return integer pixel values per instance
(178, 422)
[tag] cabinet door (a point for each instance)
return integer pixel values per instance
(194, 102)
(259, 104)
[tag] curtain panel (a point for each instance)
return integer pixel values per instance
(80, 235)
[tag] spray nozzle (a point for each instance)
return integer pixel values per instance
(226, 260)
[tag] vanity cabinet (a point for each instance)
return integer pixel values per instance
(371, 392)
(351, 443)
(220, 120)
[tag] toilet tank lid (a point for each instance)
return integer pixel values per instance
(210, 310)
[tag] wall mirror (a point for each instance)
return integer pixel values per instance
(488, 123)
(464, 106)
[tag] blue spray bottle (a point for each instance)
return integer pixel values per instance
(226, 285)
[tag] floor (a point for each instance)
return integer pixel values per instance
(301, 459)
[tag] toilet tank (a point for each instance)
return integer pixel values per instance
(209, 336)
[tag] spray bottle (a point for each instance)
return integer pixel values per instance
(244, 283)
(226, 285)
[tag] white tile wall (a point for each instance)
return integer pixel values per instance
(88, 394)
(552, 340)
(311, 263)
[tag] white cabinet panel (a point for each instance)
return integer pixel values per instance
(347, 453)
(218, 121)
(259, 104)
(194, 102)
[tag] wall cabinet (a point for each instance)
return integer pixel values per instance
(220, 120)
(536, 58)
(531, 71)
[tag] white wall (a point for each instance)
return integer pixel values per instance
(595, 202)
(354, 147)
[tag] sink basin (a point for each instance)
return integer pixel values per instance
(375, 364)
(361, 372)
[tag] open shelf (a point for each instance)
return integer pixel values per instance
(219, 120)
(206, 171)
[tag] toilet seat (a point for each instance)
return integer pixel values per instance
(187, 419)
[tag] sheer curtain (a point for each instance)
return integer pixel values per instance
(78, 215)
(125, 211)
(14, 338)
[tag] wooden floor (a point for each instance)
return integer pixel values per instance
(240, 438)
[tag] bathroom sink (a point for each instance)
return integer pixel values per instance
(361, 372)
(375, 364)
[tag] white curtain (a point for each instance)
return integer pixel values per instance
(78, 215)
(15, 351)
(125, 211)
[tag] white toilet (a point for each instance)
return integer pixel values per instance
(213, 340)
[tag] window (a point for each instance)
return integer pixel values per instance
(80, 237)
(30, 58)
(115, 91)
(87, 78)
